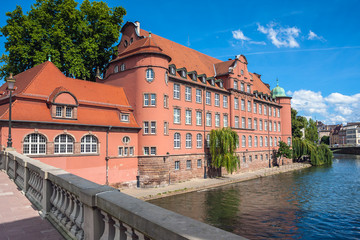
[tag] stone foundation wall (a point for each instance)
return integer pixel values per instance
(163, 170)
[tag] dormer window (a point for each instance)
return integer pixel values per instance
(221, 84)
(194, 76)
(172, 70)
(69, 112)
(183, 74)
(122, 67)
(59, 111)
(125, 43)
(203, 79)
(131, 40)
(116, 69)
(125, 117)
(64, 105)
(212, 82)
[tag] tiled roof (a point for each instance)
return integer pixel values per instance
(223, 67)
(99, 104)
(259, 85)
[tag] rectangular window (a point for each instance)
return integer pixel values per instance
(274, 126)
(270, 126)
(199, 162)
(166, 101)
(236, 122)
(278, 111)
(153, 99)
(248, 90)
(146, 99)
(254, 108)
(188, 164)
(226, 121)
(249, 106)
(187, 93)
(217, 120)
(270, 111)
(265, 125)
(260, 108)
(153, 151)
(176, 91)
(124, 117)
(198, 118)
(244, 159)
(126, 151)
(265, 110)
(69, 111)
(176, 115)
(153, 127)
(198, 96)
(146, 127)
(243, 104)
(255, 124)
(166, 128)
(59, 111)
(242, 87)
(217, 100)
(260, 125)
(208, 119)
(249, 123)
(236, 103)
(274, 112)
(250, 158)
(121, 151)
(235, 84)
(208, 98)
(225, 101)
(131, 151)
(279, 127)
(177, 165)
(146, 150)
(188, 117)
(243, 123)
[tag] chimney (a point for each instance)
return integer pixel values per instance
(137, 24)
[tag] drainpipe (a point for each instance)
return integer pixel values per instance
(268, 127)
(107, 155)
(205, 142)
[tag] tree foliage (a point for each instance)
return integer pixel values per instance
(223, 143)
(318, 154)
(79, 39)
(325, 140)
(284, 150)
(297, 123)
(311, 133)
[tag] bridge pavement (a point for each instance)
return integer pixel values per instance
(18, 220)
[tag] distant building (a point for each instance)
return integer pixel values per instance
(352, 134)
(335, 136)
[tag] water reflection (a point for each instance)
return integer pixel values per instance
(315, 203)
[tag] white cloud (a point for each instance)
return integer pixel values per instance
(333, 109)
(308, 101)
(280, 36)
(239, 35)
(314, 36)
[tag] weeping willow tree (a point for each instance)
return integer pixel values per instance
(318, 154)
(223, 143)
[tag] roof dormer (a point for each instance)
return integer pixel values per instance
(182, 72)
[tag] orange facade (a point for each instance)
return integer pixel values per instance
(150, 114)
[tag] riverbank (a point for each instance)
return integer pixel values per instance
(201, 184)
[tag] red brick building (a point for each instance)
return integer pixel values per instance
(171, 97)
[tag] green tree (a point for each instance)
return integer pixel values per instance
(325, 140)
(297, 124)
(284, 150)
(223, 143)
(79, 39)
(311, 133)
(318, 154)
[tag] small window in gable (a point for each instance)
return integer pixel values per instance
(116, 69)
(125, 43)
(131, 40)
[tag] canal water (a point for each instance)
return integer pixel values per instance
(313, 203)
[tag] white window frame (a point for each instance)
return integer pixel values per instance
(188, 91)
(176, 91)
(188, 140)
(177, 140)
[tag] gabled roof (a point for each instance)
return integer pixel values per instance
(99, 104)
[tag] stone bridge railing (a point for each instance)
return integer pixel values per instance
(81, 209)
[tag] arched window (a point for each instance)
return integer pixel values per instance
(177, 140)
(198, 140)
(63, 143)
(250, 141)
(208, 140)
(271, 141)
(243, 141)
(255, 141)
(188, 141)
(89, 144)
(261, 141)
(275, 141)
(266, 141)
(34, 143)
(149, 74)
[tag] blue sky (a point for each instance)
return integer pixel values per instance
(312, 47)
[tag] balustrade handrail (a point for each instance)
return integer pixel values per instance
(81, 209)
